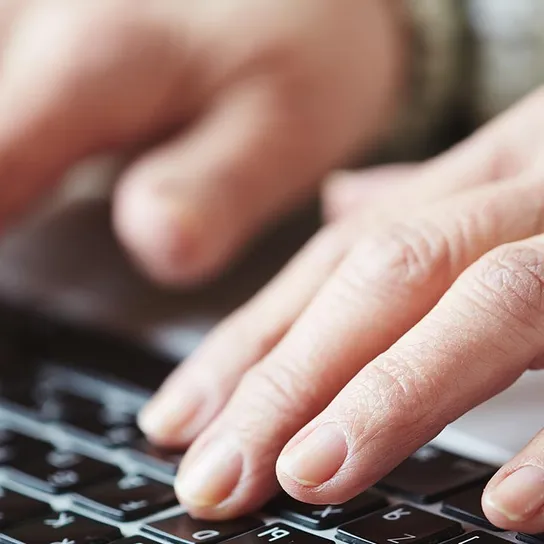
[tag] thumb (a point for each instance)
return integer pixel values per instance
(187, 207)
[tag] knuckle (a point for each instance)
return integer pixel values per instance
(510, 281)
(245, 326)
(269, 390)
(403, 255)
(394, 394)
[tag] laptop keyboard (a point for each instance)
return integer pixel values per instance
(74, 469)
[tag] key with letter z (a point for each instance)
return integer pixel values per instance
(399, 524)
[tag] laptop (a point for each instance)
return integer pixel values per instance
(74, 468)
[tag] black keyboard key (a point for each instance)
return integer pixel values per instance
(399, 524)
(15, 447)
(326, 516)
(104, 431)
(431, 474)
(135, 540)
(131, 497)
(279, 532)
(62, 528)
(477, 537)
(8, 450)
(95, 421)
(161, 459)
(61, 471)
(467, 506)
(21, 387)
(531, 539)
(15, 507)
(65, 406)
(183, 528)
(22, 397)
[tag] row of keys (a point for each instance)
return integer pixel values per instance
(43, 466)
(16, 447)
(464, 506)
(61, 528)
(40, 465)
(129, 498)
(79, 415)
(61, 471)
(395, 525)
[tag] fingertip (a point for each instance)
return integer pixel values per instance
(345, 191)
(207, 477)
(339, 195)
(515, 501)
(174, 416)
(164, 233)
(166, 426)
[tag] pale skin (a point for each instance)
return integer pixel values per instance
(244, 104)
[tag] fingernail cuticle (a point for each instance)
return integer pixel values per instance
(166, 417)
(211, 477)
(519, 496)
(317, 458)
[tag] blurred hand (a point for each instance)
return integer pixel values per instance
(236, 109)
(413, 306)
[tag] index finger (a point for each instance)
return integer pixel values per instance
(477, 341)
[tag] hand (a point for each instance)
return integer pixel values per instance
(396, 319)
(244, 105)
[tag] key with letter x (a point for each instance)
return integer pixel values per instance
(326, 516)
(399, 524)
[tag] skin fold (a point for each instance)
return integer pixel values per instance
(231, 112)
(419, 300)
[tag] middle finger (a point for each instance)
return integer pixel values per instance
(388, 284)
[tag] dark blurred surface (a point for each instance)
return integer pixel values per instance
(68, 263)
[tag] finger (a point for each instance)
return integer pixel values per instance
(502, 149)
(61, 99)
(199, 388)
(9, 10)
(344, 192)
(188, 207)
(188, 402)
(477, 341)
(514, 498)
(229, 469)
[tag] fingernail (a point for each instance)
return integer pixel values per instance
(520, 496)
(211, 477)
(165, 416)
(317, 458)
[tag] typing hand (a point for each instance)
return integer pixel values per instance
(231, 109)
(408, 310)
